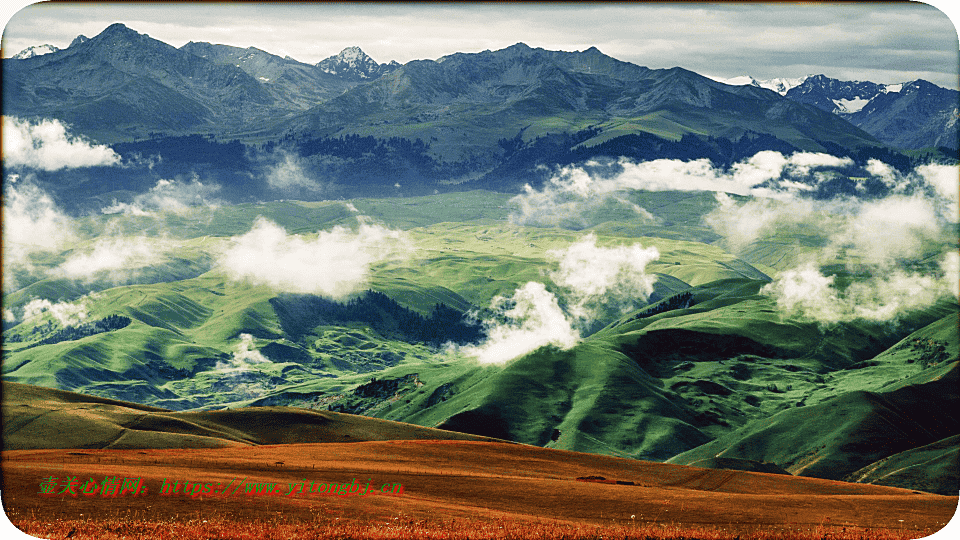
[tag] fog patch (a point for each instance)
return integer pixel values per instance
(48, 146)
(32, 223)
(243, 357)
(174, 196)
(335, 263)
(66, 314)
(600, 277)
(529, 319)
(116, 259)
(288, 173)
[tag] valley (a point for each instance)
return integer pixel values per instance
(554, 291)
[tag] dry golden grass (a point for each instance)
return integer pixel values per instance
(404, 528)
(455, 489)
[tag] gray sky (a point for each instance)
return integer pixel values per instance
(881, 42)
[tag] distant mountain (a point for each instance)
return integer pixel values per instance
(122, 84)
(833, 95)
(295, 85)
(918, 114)
(779, 85)
(353, 64)
(909, 115)
(464, 103)
(36, 50)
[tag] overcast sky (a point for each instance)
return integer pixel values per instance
(881, 42)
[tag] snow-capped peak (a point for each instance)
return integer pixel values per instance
(352, 55)
(35, 50)
(353, 63)
(780, 85)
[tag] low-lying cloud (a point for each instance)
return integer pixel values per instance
(806, 293)
(577, 189)
(872, 218)
(116, 259)
(885, 240)
(48, 146)
(531, 318)
(174, 196)
(598, 277)
(65, 313)
(32, 223)
(592, 282)
(289, 174)
(336, 263)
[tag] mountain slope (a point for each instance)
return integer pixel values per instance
(464, 103)
(353, 64)
(295, 85)
(124, 82)
(912, 115)
(36, 417)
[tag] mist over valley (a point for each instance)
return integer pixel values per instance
(558, 249)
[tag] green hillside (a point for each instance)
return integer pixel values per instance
(703, 368)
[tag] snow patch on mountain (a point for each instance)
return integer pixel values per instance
(850, 105)
(780, 85)
(35, 50)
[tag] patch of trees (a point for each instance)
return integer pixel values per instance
(191, 149)
(681, 300)
(80, 331)
(301, 313)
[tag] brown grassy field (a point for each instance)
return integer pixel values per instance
(458, 489)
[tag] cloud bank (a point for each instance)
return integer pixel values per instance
(336, 263)
(65, 313)
(116, 259)
(32, 222)
(48, 146)
(175, 196)
(532, 319)
(592, 280)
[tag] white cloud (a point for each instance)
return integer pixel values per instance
(336, 263)
(49, 147)
(32, 222)
(114, 257)
(168, 196)
(65, 313)
(603, 276)
(288, 174)
(534, 319)
(806, 293)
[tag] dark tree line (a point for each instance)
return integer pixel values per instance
(80, 331)
(678, 301)
(301, 313)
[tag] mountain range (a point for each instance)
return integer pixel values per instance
(460, 104)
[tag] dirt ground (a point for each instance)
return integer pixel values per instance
(443, 480)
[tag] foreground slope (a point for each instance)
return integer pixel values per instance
(463, 480)
(36, 417)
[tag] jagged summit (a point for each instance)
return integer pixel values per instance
(79, 39)
(354, 64)
(35, 50)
